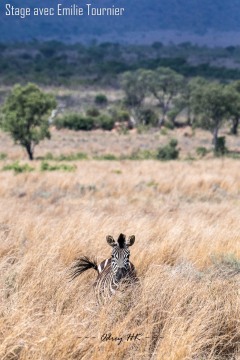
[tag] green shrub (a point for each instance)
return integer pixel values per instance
(152, 183)
(45, 166)
(94, 112)
(142, 155)
(148, 117)
(101, 99)
(122, 116)
(169, 125)
(233, 154)
(173, 142)
(3, 156)
(189, 157)
(75, 121)
(117, 171)
(119, 114)
(220, 148)
(201, 151)
(105, 122)
(168, 152)
(72, 157)
(106, 157)
(48, 156)
(164, 131)
(18, 168)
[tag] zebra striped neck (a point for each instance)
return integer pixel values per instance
(103, 265)
(106, 284)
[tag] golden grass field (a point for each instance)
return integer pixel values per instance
(185, 216)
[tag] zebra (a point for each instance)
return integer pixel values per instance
(111, 272)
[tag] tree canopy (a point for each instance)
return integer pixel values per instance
(135, 85)
(211, 103)
(25, 116)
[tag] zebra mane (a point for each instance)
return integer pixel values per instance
(121, 240)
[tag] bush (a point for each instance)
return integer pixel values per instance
(105, 122)
(75, 121)
(168, 152)
(164, 131)
(220, 148)
(48, 156)
(72, 157)
(3, 156)
(106, 157)
(122, 116)
(94, 112)
(173, 142)
(101, 99)
(17, 168)
(81, 122)
(233, 154)
(148, 117)
(169, 125)
(201, 151)
(142, 155)
(45, 166)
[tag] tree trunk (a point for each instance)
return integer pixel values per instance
(29, 151)
(215, 137)
(189, 119)
(162, 120)
(235, 123)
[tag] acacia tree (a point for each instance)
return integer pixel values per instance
(183, 101)
(165, 85)
(210, 104)
(233, 93)
(25, 116)
(135, 86)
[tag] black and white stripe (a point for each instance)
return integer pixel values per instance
(111, 272)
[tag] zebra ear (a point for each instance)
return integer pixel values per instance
(131, 240)
(111, 241)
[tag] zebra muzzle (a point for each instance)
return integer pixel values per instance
(121, 273)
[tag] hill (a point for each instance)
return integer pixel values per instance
(183, 18)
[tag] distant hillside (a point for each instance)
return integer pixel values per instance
(141, 17)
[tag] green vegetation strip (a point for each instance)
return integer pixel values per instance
(67, 157)
(45, 166)
(18, 168)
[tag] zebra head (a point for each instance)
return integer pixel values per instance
(120, 255)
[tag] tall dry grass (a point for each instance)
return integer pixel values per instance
(186, 220)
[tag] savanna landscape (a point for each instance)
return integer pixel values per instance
(149, 150)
